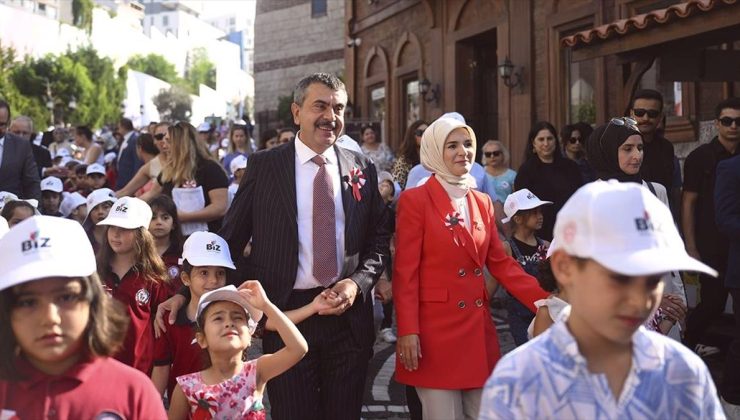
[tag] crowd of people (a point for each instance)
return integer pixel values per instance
(139, 264)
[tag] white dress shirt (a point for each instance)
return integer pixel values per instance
(305, 172)
(2, 148)
(124, 145)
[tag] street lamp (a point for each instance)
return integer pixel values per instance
(429, 93)
(511, 76)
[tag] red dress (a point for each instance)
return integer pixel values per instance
(439, 287)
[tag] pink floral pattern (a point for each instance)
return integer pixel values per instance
(234, 398)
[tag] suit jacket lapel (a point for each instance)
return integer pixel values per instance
(443, 206)
(285, 170)
(345, 163)
(7, 152)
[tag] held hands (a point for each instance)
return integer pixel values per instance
(409, 351)
(384, 290)
(341, 297)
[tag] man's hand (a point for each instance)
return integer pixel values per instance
(342, 296)
(384, 290)
(173, 305)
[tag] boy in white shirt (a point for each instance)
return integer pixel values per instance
(615, 241)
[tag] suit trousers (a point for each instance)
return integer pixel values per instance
(329, 382)
(730, 389)
(713, 295)
(450, 404)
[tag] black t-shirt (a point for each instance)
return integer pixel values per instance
(658, 162)
(209, 175)
(699, 174)
(554, 182)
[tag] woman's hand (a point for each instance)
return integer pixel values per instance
(409, 351)
(673, 307)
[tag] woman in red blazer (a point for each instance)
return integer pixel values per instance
(445, 236)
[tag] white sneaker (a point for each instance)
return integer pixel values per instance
(386, 334)
(703, 350)
(732, 411)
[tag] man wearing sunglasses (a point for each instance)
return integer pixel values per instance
(658, 154)
(702, 237)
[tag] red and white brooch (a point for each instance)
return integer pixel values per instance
(452, 220)
(356, 180)
(206, 405)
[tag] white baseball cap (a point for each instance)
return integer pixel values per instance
(44, 246)
(62, 153)
(99, 196)
(386, 176)
(129, 213)
(3, 226)
(52, 183)
(204, 127)
(70, 202)
(109, 157)
(229, 294)
(625, 228)
(95, 168)
(206, 248)
(6, 197)
(239, 162)
(521, 200)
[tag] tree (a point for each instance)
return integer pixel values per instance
(110, 86)
(201, 70)
(173, 104)
(82, 14)
(284, 113)
(154, 65)
(19, 104)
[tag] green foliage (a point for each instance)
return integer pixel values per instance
(82, 14)
(585, 111)
(174, 104)
(94, 84)
(200, 71)
(284, 114)
(154, 65)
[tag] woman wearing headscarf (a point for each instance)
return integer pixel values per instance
(615, 151)
(446, 234)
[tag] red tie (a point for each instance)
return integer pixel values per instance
(324, 226)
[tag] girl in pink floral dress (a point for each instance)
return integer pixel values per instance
(231, 388)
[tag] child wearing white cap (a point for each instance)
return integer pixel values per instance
(74, 206)
(60, 331)
(523, 211)
(99, 203)
(614, 242)
(238, 168)
(235, 387)
(205, 259)
(16, 211)
(51, 196)
(96, 179)
(132, 270)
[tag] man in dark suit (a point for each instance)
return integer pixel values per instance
(316, 222)
(22, 126)
(128, 162)
(18, 173)
(727, 216)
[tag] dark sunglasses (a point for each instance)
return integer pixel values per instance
(640, 112)
(496, 153)
(574, 140)
(623, 121)
(159, 136)
(727, 121)
(419, 132)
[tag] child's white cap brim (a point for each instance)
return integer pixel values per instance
(230, 294)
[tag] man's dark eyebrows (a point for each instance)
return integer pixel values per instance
(320, 102)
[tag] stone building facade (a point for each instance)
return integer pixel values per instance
(293, 38)
(574, 60)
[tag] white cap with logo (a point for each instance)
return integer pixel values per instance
(44, 246)
(99, 196)
(6, 197)
(229, 294)
(95, 168)
(129, 213)
(239, 162)
(204, 127)
(206, 249)
(625, 228)
(52, 183)
(70, 202)
(521, 200)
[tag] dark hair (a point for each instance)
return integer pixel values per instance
(146, 142)
(366, 127)
(285, 130)
(329, 80)
(266, 135)
(10, 207)
(729, 103)
(104, 335)
(81, 169)
(584, 128)
(83, 130)
(545, 276)
(647, 94)
(165, 203)
(71, 165)
(408, 147)
(126, 123)
(536, 128)
(4, 104)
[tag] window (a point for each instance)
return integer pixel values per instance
(165, 20)
(377, 104)
(672, 91)
(410, 95)
(318, 8)
(580, 79)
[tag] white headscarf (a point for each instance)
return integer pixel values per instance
(432, 150)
